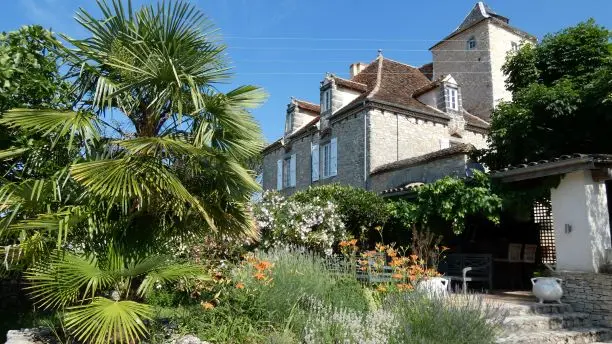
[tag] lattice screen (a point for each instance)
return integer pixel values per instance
(543, 217)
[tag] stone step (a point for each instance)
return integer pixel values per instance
(536, 308)
(573, 336)
(539, 322)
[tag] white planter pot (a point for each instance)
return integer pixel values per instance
(547, 289)
(433, 287)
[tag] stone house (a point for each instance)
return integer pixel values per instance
(392, 124)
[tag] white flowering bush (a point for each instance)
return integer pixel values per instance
(315, 224)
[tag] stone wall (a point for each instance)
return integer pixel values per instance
(470, 68)
(589, 293)
(425, 173)
(349, 133)
(397, 136)
(501, 41)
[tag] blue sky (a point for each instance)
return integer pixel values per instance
(287, 46)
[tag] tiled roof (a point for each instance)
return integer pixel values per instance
(427, 70)
(393, 82)
(357, 86)
(482, 12)
(462, 148)
(302, 104)
(409, 187)
(547, 167)
(428, 87)
(475, 120)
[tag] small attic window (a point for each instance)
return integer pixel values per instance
(326, 100)
(471, 43)
(289, 122)
(451, 95)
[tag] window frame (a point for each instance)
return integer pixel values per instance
(326, 103)
(287, 172)
(325, 159)
(453, 98)
(289, 122)
(471, 43)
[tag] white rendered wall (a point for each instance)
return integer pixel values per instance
(580, 202)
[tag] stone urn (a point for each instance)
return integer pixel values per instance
(433, 287)
(547, 289)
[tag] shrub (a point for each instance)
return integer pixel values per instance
(313, 224)
(359, 209)
(460, 319)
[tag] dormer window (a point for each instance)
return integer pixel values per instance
(289, 122)
(326, 100)
(452, 98)
(471, 43)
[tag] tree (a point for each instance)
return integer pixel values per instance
(176, 167)
(561, 98)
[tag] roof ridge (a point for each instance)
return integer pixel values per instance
(376, 88)
(305, 101)
(402, 63)
(349, 80)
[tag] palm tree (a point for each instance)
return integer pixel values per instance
(97, 291)
(175, 167)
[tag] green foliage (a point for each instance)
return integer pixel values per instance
(562, 97)
(29, 71)
(81, 286)
(360, 209)
(451, 200)
(462, 319)
(176, 170)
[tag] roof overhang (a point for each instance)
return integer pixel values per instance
(600, 166)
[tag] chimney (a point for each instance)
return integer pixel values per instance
(356, 68)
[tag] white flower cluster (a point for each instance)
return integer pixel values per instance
(315, 225)
(326, 324)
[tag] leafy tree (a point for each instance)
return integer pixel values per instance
(562, 98)
(451, 201)
(175, 168)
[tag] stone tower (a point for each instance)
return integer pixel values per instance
(474, 54)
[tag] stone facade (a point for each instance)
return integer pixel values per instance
(470, 68)
(589, 293)
(426, 173)
(349, 133)
(501, 44)
(394, 136)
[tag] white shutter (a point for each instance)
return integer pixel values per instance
(314, 152)
(444, 143)
(292, 170)
(333, 168)
(279, 175)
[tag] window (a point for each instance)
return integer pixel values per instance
(289, 122)
(452, 101)
(287, 172)
(471, 43)
(326, 105)
(328, 159)
(514, 46)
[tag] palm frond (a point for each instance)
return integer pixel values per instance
(108, 321)
(163, 147)
(66, 279)
(12, 152)
(168, 272)
(131, 178)
(56, 123)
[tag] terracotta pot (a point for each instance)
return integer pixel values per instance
(547, 289)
